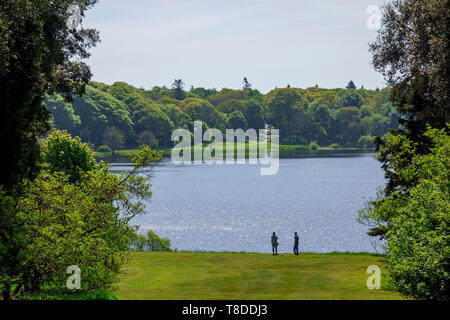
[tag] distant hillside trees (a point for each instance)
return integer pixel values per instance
(349, 118)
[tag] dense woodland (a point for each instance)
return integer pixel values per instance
(59, 207)
(122, 116)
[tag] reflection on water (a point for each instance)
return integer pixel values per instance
(234, 208)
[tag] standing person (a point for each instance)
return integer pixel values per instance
(274, 244)
(296, 244)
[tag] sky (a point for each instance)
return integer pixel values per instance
(215, 44)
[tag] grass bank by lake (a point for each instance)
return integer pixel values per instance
(204, 276)
(285, 151)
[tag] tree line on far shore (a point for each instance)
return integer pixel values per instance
(112, 117)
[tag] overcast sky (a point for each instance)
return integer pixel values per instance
(213, 43)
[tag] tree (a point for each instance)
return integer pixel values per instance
(150, 117)
(177, 89)
(113, 138)
(148, 138)
(346, 122)
(156, 243)
(412, 51)
(62, 153)
(254, 114)
(98, 111)
(320, 118)
(199, 109)
(286, 107)
(227, 94)
(179, 118)
(63, 115)
(236, 120)
(246, 85)
(350, 85)
(68, 219)
(417, 221)
(230, 106)
(39, 55)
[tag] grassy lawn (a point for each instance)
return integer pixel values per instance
(190, 275)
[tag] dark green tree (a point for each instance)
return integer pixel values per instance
(350, 85)
(177, 90)
(39, 54)
(62, 153)
(246, 85)
(412, 51)
(350, 100)
(63, 115)
(113, 138)
(236, 120)
(254, 114)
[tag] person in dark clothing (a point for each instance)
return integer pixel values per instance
(274, 244)
(296, 244)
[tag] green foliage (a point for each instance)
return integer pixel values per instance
(74, 213)
(347, 121)
(231, 106)
(412, 51)
(416, 219)
(236, 120)
(148, 138)
(103, 148)
(61, 153)
(366, 142)
(313, 146)
(99, 111)
(286, 110)
(202, 110)
(155, 243)
(151, 118)
(352, 99)
(126, 94)
(113, 138)
(254, 114)
(177, 88)
(63, 114)
(149, 242)
(225, 95)
(302, 116)
(350, 85)
(84, 295)
(39, 55)
(179, 118)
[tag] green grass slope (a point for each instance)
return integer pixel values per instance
(203, 276)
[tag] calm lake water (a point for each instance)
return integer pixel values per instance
(234, 208)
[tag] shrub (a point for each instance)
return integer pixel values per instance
(416, 223)
(62, 153)
(103, 148)
(366, 142)
(149, 242)
(313, 146)
(77, 213)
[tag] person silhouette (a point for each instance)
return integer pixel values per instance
(274, 244)
(295, 243)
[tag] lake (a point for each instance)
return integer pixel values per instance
(234, 208)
